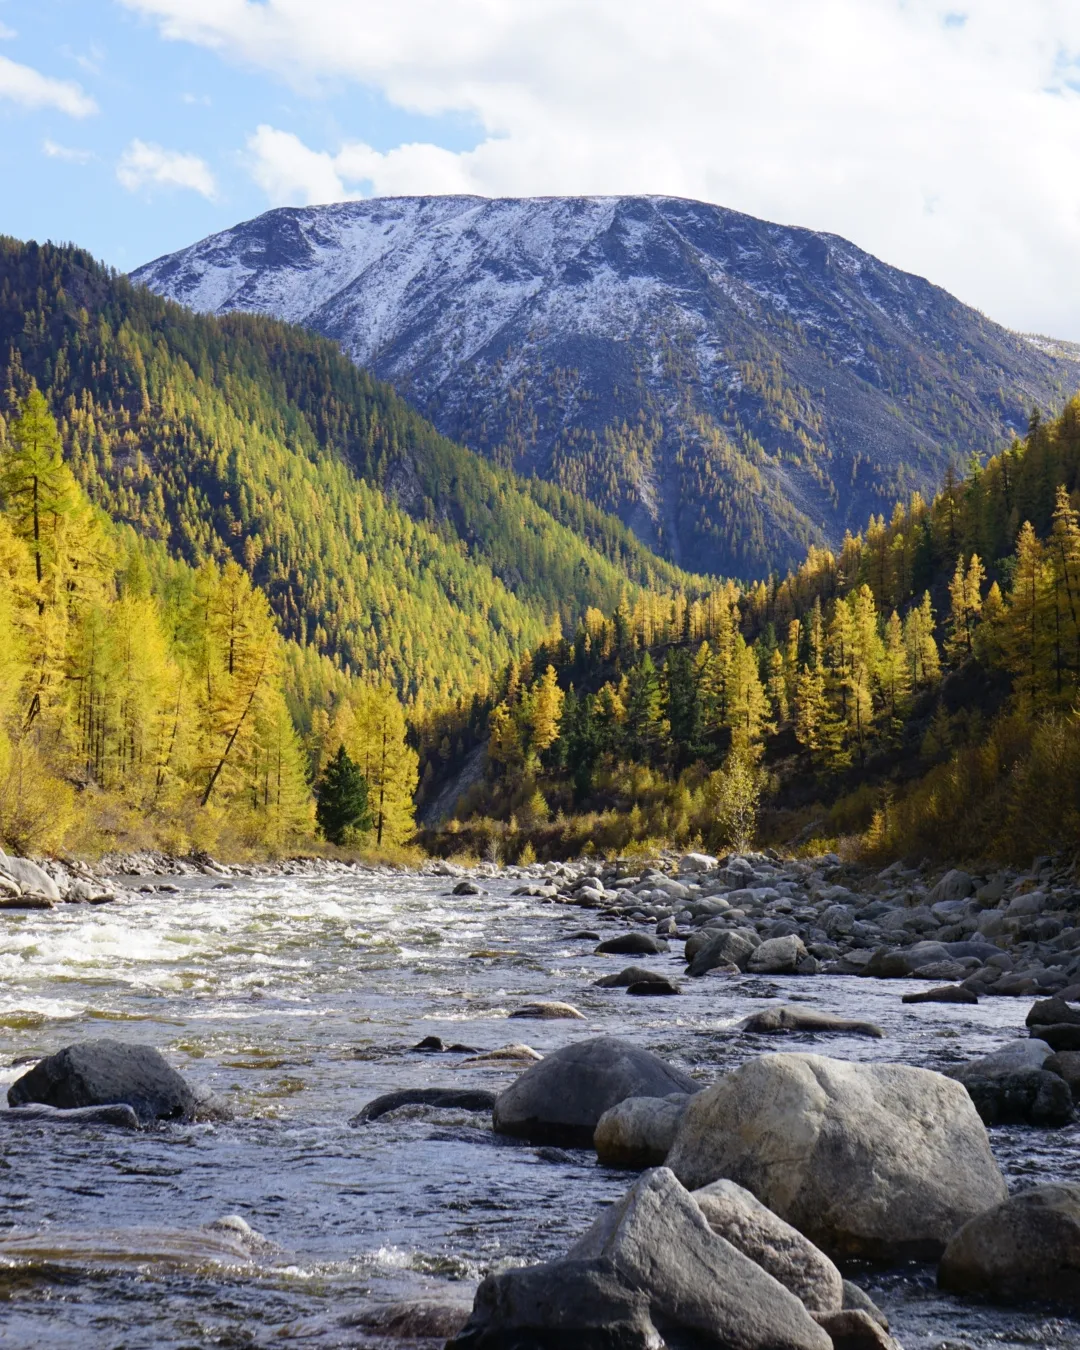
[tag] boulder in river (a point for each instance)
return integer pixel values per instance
(561, 1099)
(945, 993)
(1048, 1012)
(772, 1021)
(456, 1099)
(106, 1072)
(1028, 1247)
(653, 988)
(854, 1329)
(878, 1161)
(633, 944)
(774, 1245)
(730, 946)
(777, 956)
(504, 1056)
(627, 976)
(1012, 1086)
(549, 1012)
(1066, 1064)
(639, 1131)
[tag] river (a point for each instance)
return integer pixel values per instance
(298, 1000)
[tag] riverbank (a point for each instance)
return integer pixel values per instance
(299, 999)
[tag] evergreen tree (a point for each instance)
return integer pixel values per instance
(342, 799)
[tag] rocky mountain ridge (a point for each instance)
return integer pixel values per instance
(734, 389)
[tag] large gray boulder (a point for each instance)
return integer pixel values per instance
(730, 946)
(777, 956)
(106, 1072)
(954, 885)
(878, 1161)
(560, 1100)
(659, 1240)
(1025, 1248)
(32, 880)
(741, 1219)
(638, 1132)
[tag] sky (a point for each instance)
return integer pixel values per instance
(942, 137)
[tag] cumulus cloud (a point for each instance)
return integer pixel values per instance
(30, 89)
(936, 135)
(145, 165)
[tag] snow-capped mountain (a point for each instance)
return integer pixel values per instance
(732, 388)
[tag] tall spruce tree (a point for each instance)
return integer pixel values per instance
(342, 801)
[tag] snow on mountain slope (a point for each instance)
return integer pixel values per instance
(734, 389)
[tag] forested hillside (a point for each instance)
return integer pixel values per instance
(916, 692)
(377, 541)
(735, 390)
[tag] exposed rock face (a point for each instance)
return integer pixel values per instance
(880, 1161)
(561, 1099)
(1026, 1248)
(639, 1131)
(106, 1072)
(480, 307)
(741, 1219)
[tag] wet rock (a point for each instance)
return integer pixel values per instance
(505, 1056)
(22, 900)
(561, 1099)
(83, 892)
(1025, 1248)
(627, 976)
(31, 879)
(730, 946)
(940, 970)
(120, 1115)
(901, 963)
(1062, 1036)
(879, 1161)
(1052, 1012)
(740, 1218)
(1066, 1064)
(653, 988)
(584, 935)
(549, 1012)
(777, 956)
(105, 1073)
(1029, 1097)
(639, 1131)
(772, 1021)
(584, 1304)
(854, 1329)
(228, 1241)
(459, 1099)
(466, 888)
(416, 1319)
(435, 1045)
(947, 993)
(1015, 1057)
(633, 944)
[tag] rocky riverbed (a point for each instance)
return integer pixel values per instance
(297, 996)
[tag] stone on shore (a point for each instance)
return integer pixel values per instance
(730, 946)
(561, 1099)
(639, 1131)
(773, 1021)
(1025, 1248)
(876, 1161)
(740, 1218)
(1066, 1064)
(33, 881)
(106, 1072)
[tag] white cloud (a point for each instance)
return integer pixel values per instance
(7, 33)
(144, 165)
(944, 147)
(65, 152)
(30, 89)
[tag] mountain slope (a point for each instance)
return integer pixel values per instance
(377, 540)
(732, 389)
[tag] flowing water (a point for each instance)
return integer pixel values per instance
(299, 1000)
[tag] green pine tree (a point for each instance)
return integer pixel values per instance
(342, 795)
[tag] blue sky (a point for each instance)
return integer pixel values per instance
(942, 137)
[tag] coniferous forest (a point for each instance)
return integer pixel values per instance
(241, 579)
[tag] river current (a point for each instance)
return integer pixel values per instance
(299, 1000)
